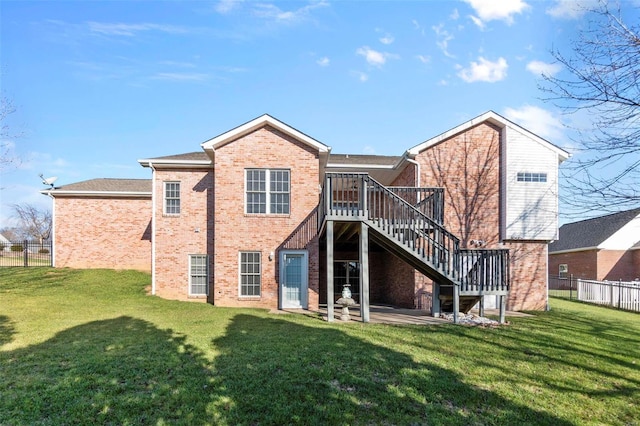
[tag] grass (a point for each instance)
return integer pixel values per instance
(88, 346)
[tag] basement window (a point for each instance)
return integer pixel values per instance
(198, 274)
(250, 273)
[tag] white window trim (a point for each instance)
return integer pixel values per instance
(164, 197)
(267, 184)
(240, 295)
(206, 293)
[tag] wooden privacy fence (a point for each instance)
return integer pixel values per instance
(26, 253)
(616, 294)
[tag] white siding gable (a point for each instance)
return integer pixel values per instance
(626, 237)
(531, 207)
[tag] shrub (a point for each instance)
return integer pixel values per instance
(43, 251)
(17, 247)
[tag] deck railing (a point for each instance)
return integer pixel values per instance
(484, 270)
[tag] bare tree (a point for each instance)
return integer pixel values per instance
(601, 81)
(34, 222)
(471, 182)
(6, 135)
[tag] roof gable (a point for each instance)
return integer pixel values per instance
(257, 123)
(495, 119)
(618, 231)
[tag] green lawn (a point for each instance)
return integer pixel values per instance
(81, 347)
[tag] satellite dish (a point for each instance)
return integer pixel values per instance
(48, 181)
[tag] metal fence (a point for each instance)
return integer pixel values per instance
(616, 294)
(26, 253)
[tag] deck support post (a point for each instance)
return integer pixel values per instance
(503, 308)
(481, 306)
(435, 300)
(364, 272)
(456, 303)
(330, 301)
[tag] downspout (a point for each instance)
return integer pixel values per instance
(153, 228)
(53, 230)
(417, 170)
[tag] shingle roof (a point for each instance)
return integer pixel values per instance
(383, 160)
(108, 185)
(189, 156)
(591, 232)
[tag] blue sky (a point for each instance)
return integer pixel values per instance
(99, 85)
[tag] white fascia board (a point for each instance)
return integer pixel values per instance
(493, 118)
(257, 123)
(185, 164)
(360, 166)
(575, 250)
(112, 194)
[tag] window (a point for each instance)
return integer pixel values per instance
(563, 270)
(249, 273)
(172, 198)
(267, 191)
(198, 274)
(532, 177)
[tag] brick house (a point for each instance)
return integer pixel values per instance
(266, 216)
(602, 248)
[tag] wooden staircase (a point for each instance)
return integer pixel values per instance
(398, 222)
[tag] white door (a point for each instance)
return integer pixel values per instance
(294, 273)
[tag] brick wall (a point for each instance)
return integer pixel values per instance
(178, 236)
(103, 233)
(528, 263)
(581, 264)
(237, 231)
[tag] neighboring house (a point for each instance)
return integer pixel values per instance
(5, 244)
(265, 216)
(602, 248)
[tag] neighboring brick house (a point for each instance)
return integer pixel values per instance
(602, 248)
(266, 216)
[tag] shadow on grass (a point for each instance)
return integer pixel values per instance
(271, 371)
(7, 330)
(266, 371)
(117, 371)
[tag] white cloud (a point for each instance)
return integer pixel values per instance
(387, 39)
(226, 6)
(417, 26)
(129, 30)
(181, 76)
(273, 12)
(490, 10)
(323, 62)
(444, 37)
(369, 150)
(485, 70)
(571, 9)
(539, 121)
(424, 59)
(373, 57)
(360, 76)
(543, 68)
(455, 14)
